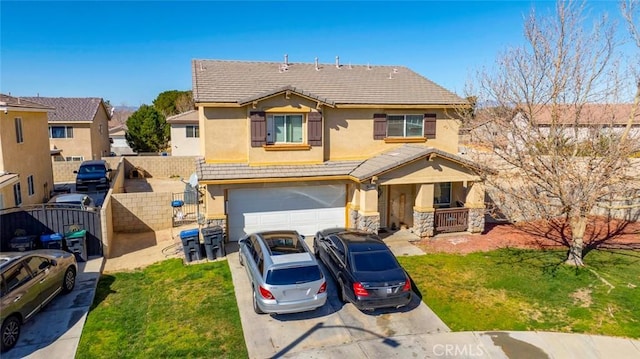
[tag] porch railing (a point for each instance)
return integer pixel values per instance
(451, 220)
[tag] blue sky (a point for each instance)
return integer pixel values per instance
(128, 52)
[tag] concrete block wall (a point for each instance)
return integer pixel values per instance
(141, 212)
(63, 171)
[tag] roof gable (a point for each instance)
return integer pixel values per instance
(71, 109)
(189, 117)
(237, 81)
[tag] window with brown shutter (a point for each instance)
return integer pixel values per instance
(258, 129)
(430, 125)
(379, 126)
(314, 128)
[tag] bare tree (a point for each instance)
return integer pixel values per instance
(559, 145)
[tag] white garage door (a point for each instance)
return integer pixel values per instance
(306, 209)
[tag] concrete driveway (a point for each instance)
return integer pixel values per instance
(335, 328)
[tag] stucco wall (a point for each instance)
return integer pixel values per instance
(181, 145)
(29, 158)
(78, 145)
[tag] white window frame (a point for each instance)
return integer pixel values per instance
(271, 128)
(19, 134)
(74, 158)
(68, 132)
(195, 131)
(404, 125)
(17, 194)
(31, 190)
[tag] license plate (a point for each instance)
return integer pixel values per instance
(389, 290)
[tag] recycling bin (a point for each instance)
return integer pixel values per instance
(51, 241)
(76, 243)
(213, 242)
(191, 244)
(22, 243)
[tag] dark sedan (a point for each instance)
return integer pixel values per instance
(367, 273)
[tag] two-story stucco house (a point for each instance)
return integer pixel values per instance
(78, 128)
(26, 174)
(185, 134)
(308, 146)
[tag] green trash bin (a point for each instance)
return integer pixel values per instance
(77, 244)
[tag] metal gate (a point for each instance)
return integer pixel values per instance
(186, 206)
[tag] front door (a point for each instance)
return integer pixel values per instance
(383, 194)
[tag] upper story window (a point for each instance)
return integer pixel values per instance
(18, 123)
(405, 125)
(60, 132)
(284, 129)
(17, 194)
(193, 131)
(30, 187)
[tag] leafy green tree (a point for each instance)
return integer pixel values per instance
(173, 102)
(147, 130)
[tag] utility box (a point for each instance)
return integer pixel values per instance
(76, 243)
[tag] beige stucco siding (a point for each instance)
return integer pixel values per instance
(100, 134)
(349, 133)
(181, 145)
(225, 134)
(78, 145)
(436, 170)
(29, 158)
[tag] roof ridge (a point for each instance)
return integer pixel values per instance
(303, 63)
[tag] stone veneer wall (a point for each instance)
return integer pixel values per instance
(476, 220)
(353, 218)
(141, 212)
(423, 223)
(370, 223)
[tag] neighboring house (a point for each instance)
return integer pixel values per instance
(310, 146)
(78, 128)
(26, 173)
(185, 134)
(119, 144)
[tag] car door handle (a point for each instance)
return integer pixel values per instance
(43, 280)
(17, 298)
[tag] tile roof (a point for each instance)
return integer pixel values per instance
(185, 117)
(591, 114)
(69, 109)
(362, 170)
(237, 81)
(6, 100)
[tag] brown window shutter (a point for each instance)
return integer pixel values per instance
(258, 129)
(430, 125)
(314, 128)
(379, 126)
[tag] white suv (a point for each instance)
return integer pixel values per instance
(285, 276)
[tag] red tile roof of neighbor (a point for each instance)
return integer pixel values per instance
(189, 117)
(241, 82)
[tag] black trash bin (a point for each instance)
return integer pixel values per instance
(213, 242)
(191, 244)
(22, 243)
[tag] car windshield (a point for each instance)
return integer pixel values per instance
(294, 275)
(91, 169)
(373, 261)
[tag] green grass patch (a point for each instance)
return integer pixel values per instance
(531, 290)
(167, 310)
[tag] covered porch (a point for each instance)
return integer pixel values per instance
(426, 191)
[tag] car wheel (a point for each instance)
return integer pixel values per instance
(341, 294)
(256, 308)
(69, 280)
(10, 333)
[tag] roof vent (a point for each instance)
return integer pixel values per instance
(368, 66)
(395, 70)
(317, 68)
(350, 66)
(391, 75)
(283, 68)
(201, 67)
(286, 59)
(337, 62)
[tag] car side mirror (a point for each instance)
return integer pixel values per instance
(302, 236)
(75, 171)
(53, 263)
(241, 241)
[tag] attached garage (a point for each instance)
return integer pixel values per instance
(306, 209)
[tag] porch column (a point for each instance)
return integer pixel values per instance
(368, 215)
(214, 210)
(475, 203)
(423, 211)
